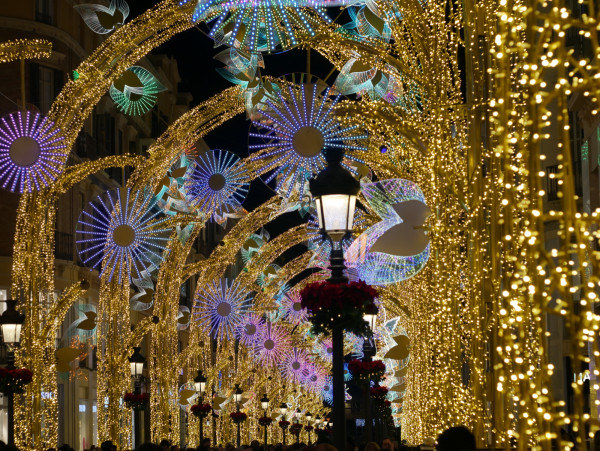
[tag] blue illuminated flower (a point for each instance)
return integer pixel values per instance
(218, 184)
(260, 25)
(293, 365)
(272, 344)
(32, 152)
(249, 329)
(122, 232)
(292, 133)
(220, 307)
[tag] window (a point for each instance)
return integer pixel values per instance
(44, 11)
(552, 182)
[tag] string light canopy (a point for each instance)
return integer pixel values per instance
(290, 136)
(260, 25)
(135, 91)
(219, 184)
(121, 232)
(221, 307)
(32, 152)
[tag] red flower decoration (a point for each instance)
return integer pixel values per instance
(283, 424)
(136, 400)
(201, 410)
(238, 417)
(265, 421)
(379, 392)
(367, 370)
(308, 428)
(387, 403)
(296, 428)
(14, 381)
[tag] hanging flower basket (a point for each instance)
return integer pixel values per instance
(366, 371)
(14, 381)
(265, 421)
(201, 410)
(238, 417)
(283, 424)
(378, 392)
(308, 428)
(341, 304)
(296, 428)
(136, 401)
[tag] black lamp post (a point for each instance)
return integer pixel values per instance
(334, 190)
(283, 409)
(136, 363)
(369, 350)
(237, 397)
(264, 403)
(308, 416)
(200, 386)
(11, 322)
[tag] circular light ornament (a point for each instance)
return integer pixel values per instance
(260, 25)
(292, 305)
(32, 152)
(290, 135)
(135, 91)
(218, 184)
(249, 329)
(272, 344)
(292, 366)
(122, 232)
(221, 307)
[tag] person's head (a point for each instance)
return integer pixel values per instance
(205, 443)
(106, 445)
(457, 438)
(149, 447)
(165, 444)
(387, 444)
(372, 446)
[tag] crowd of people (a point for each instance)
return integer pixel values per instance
(454, 439)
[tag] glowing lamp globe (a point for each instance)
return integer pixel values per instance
(11, 322)
(369, 318)
(283, 408)
(136, 362)
(200, 382)
(308, 416)
(237, 394)
(264, 402)
(334, 190)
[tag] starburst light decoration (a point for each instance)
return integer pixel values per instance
(102, 19)
(218, 185)
(325, 349)
(122, 232)
(221, 307)
(313, 377)
(32, 152)
(260, 25)
(272, 344)
(292, 366)
(135, 91)
(292, 133)
(292, 305)
(249, 329)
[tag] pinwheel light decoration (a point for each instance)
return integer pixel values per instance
(292, 366)
(292, 305)
(32, 152)
(135, 91)
(292, 133)
(221, 307)
(272, 344)
(396, 248)
(260, 25)
(102, 19)
(249, 329)
(253, 244)
(121, 232)
(218, 185)
(170, 192)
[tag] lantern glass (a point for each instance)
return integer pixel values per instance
(308, 416)
(336, 213)
(370, 319)
(200, 387)
(136, 368)
(264, 402)
(11, 333)
(283, 408)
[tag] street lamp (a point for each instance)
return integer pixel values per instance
(200, 386)
(136, 364)
(264, 403)
(237, 398)
(308, 417)
(283, 408)
(334, 191)
(11, 322)
(317, 421)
